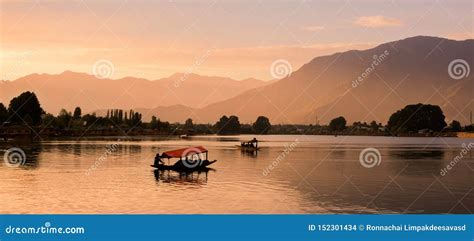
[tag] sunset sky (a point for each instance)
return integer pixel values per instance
(233, 38)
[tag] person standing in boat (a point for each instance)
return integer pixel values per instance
(254, 143)
(158, 160)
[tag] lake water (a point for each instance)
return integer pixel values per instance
(290, 174)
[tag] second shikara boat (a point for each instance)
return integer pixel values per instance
(190, 159)
(251, 145)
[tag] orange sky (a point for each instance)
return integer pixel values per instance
(233, 38)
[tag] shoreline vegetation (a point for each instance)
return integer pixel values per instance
(25, 119)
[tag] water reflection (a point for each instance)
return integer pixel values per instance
(181, 177)
(413, 153)
(420, 162)
(320, 175)
(249, 153)
(32, 156)
(31, 153)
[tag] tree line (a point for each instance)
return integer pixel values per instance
(26, 109)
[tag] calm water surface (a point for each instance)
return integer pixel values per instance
(290, 174)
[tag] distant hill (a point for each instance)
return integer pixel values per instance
(70, 89)
(414, 70)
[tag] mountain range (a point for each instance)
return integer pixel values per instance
(70, 89)
(413, 70)
(361, 85)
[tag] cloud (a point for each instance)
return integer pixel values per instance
(313, 28)
(377, 21)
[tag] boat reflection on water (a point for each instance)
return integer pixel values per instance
(248, 153)
(168, 176)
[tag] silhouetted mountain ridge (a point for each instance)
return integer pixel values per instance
(414, 70)
(70, 89)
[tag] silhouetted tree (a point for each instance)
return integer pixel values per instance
(246, 129)
(374, 126)
(49, 120)
(221, 123)
(188, 125)
(337, 124)
(77, 113)
(154, 123)
(25, 108)
(455, 125)
(120, 116)
(3, 113)
(469, 128)
(228, 125)
(136, 119)
(165, 126)
(413, 118)
(234, 124)
(90, 119)
(262, 125)
(130, 117)
(64, 119)
(357, 124)
(116, 115)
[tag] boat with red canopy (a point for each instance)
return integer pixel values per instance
(190, 159)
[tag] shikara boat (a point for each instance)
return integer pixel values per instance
(190, 159)
(251, 145)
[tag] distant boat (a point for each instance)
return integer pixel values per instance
(190, 159)
(187, 135)
(251, 145)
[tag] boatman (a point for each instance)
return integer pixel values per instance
(254, 140)
(158, 160)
